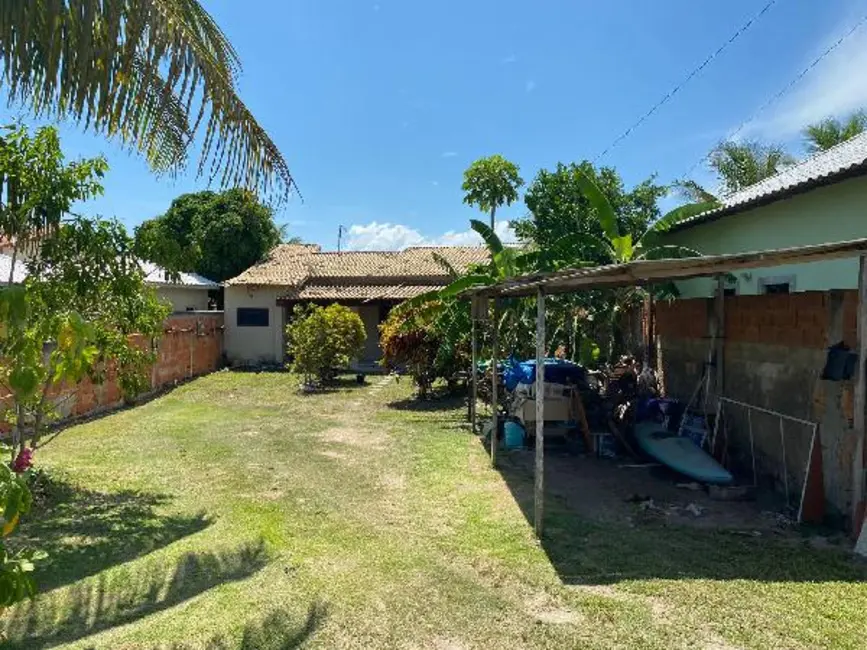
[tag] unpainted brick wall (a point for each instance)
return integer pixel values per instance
(191, 345)
(774, 354)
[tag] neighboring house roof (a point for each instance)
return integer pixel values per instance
(154, 275)
(310, 274)
(6, 265)
(842, 161)
(158, 276)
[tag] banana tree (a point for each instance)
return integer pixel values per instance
(620, 248)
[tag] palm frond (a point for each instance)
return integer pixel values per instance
(692, 191)
(155, 74)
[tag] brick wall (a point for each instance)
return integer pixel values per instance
(774, 352)
(796, 320)
(192, 345)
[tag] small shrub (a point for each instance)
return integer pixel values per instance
(323, 339)
(409, 343)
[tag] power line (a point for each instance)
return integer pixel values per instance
(785, 88)
(671, 93)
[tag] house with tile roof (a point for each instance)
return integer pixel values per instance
(818, 200)
(259, 301)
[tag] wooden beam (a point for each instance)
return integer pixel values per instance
(539, 470)
(719, 313)
(648, 271)
(494, 418)
(474, 376)
(860, 401)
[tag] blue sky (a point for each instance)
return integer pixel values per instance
(379, 105)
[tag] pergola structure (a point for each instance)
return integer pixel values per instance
(647, 272)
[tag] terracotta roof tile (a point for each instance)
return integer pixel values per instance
(294, 266)
(360, 292)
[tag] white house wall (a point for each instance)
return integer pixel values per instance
(184, 298)
(254, 344)
(828, 214)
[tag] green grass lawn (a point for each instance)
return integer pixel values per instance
(235, 513)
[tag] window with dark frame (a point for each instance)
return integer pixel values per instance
(777, 287)
(252, 317)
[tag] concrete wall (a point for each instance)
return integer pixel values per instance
(827, 214)
(254, 344)
(192, 345)
(184, 298)
(775, 350)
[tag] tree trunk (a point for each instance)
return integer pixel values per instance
(493, 218)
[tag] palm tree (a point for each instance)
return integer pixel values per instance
(741, 164)
(154, 74)
(831, 131)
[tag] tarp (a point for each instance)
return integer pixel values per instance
(557, 371)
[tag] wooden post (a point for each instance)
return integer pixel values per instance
(474, 384)
(719, 352)
(494, 419)
(860, 401)
(539, 472)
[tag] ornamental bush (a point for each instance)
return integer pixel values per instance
(321, 340)
(410, 343)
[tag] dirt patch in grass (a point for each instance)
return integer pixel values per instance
(544, 610)
(354, 437)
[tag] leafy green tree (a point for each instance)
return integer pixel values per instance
(159, 75)
(75, 316)
(218, 235)
(38, 186)
(617, 246)
(490, 183)
(559, 210)
(741, 164)
(832, 131)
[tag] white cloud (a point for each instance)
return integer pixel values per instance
(509, 59)
(835, 87)
(530, 86)
(394, 236)
(435, 183)
(448, 154)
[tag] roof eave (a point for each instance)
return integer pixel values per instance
(853, 171)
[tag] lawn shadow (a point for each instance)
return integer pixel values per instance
(438, 403)
(617, 541)
(105, 602)
(85, 531)
(276, 631)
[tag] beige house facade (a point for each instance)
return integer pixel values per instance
(260, 301)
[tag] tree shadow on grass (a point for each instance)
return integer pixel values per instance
(85, 532)
(602, 549)
(109, 601)
(438, 403)
(278, 630)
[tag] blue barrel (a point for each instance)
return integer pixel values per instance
(514, 434)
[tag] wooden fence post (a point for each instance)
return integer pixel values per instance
(539, 471)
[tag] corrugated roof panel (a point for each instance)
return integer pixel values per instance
(838, 160)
